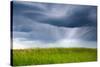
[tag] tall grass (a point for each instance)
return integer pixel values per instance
(39, 56)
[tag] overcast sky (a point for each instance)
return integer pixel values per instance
(53, 25)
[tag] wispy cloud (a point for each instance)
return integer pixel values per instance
(47, 23)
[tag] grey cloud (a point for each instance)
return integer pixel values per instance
(58, 14)
(53, 22)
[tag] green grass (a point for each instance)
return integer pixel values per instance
(37, 56)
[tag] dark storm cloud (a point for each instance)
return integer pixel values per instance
(81, 16)
(58, 14)
(48, 22)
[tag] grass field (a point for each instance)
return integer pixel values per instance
(37, 56)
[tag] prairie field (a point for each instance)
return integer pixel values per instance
(39, 56)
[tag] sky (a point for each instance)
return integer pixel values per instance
(45, 25)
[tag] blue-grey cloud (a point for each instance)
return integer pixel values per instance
(50, 23)
(58, 14)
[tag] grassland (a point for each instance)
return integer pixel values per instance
(39, 56)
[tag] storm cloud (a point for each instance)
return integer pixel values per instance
(50, 23)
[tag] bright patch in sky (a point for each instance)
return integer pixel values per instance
(63, 43)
